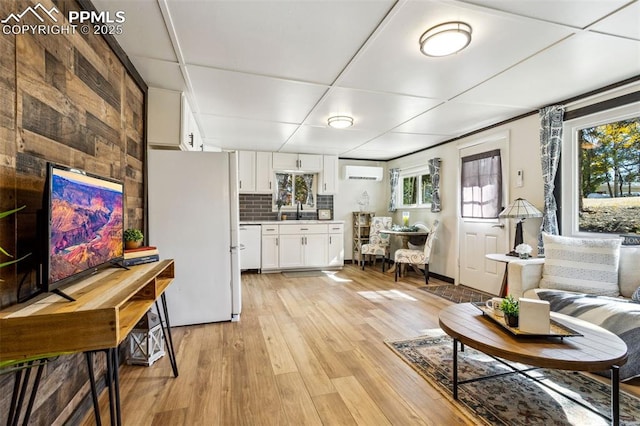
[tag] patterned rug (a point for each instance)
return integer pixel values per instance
(512, 399)
(458, 293)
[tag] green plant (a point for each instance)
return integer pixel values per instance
(132, 234)
(510, 306)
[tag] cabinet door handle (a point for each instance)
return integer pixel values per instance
(325, 186)
(241, 184)
(304, 229)
(329, 239)
(269, 184)
(277, 244)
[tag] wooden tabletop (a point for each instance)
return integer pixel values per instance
(108, 305)
(597, 350)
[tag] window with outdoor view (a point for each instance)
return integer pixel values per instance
(294, 188)
(609, 177)
(417, 190)
(481, 187)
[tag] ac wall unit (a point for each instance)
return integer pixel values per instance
(363, 172)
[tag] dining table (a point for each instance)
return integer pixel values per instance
(405, 236)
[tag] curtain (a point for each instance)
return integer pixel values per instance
(434, 171)
(308, 180)
(394, 175)
(482, 185)
(550, 144)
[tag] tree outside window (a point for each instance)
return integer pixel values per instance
(417, 190)
(609, 177)
(294, 188)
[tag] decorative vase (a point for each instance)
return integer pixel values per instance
(132, 244)
(511, 320)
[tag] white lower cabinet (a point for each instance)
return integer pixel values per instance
(299, 245)
(270, 247)
(336, 244)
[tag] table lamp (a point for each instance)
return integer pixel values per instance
(519, 209)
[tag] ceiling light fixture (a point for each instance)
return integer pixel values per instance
(445, 39)
(340, 121)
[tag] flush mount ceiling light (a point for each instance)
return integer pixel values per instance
(445, 39)
(340, 121)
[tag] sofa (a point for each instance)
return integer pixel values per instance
(597, 284)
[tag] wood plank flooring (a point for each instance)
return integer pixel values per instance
(307, 351)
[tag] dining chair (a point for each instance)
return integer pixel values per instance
(378, 243)
(417, 257)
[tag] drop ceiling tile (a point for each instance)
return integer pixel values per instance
(569, 69)
(370, 110)
(625, 23)
(364, 154)
(392, 61)
(302, 40)
(250, 96)
(143, 31)
(454, 119)
(162, 74)
(569, 12)
(311, 137)
(401, 143)
(244, 134)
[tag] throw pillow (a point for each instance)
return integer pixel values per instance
(582, 265)
(629, 270)
(636, 295)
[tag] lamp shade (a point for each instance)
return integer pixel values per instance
(520, 209)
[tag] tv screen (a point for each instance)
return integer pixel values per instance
(86, 224)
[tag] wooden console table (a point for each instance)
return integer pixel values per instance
(108, 305)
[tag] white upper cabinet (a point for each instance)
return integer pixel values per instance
(283, 161)
(170, 121)
(255, 173)
(246, 171)
(329, 175)
(264, 172)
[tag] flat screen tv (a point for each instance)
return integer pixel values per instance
(85, 224)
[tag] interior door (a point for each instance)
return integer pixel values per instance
(479, 237)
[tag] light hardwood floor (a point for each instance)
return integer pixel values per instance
(306, 351)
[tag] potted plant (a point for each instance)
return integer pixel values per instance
(133, 238)
(511, 310)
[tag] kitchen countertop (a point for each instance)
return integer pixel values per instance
(288, 222)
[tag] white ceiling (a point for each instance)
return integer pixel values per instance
(265, 75)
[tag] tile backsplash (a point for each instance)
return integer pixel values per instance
(257, 207)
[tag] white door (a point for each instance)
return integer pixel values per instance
(479, 237)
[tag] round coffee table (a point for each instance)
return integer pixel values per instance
(596, 350)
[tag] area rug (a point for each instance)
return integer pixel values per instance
(457, 293)
(512, 399)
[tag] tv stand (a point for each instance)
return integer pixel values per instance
(63, 294)
(119, 265)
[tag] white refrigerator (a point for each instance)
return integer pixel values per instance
(193, 218)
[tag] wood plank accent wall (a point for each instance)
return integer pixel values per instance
(68, 99)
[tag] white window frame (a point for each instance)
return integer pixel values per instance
(417, 171)
(570, 168)
(293, 208)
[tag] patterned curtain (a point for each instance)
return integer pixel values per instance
(394, 175)
(308, 180)
(550, 144)
(434, 171)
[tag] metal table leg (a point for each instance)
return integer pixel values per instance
(166, 328)
(615, 395)
(94, 390)
(455, 368)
